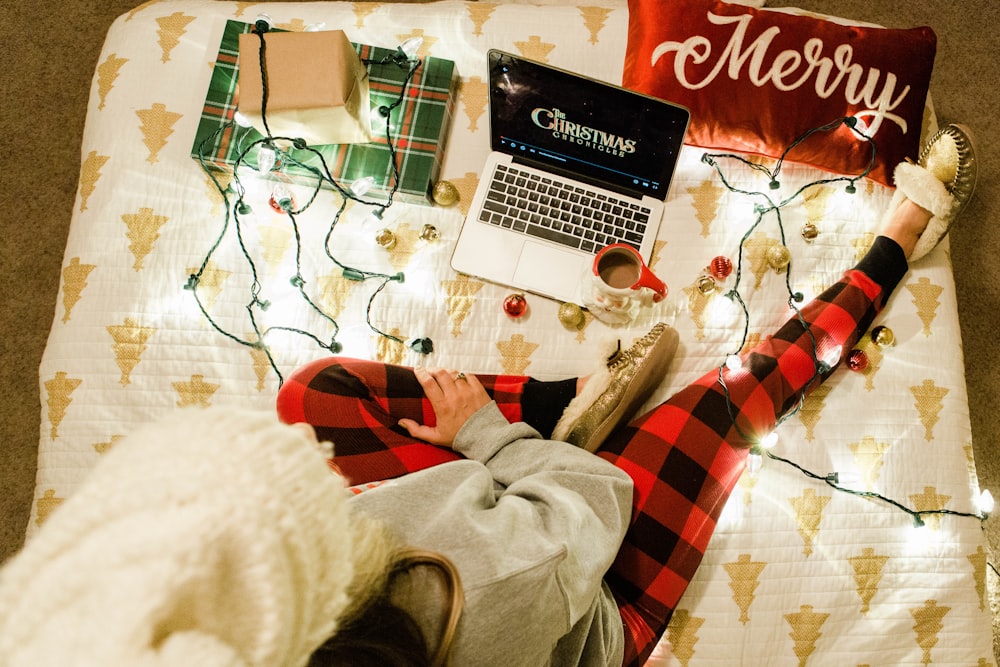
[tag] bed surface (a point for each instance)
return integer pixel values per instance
(798, 572)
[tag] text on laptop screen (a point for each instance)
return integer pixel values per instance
(601, 132)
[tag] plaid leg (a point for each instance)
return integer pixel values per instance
(356, 404)
(686, 455)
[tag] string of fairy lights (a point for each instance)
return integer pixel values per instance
(767, 205)
(270, 153)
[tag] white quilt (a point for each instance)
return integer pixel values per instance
(798, 573)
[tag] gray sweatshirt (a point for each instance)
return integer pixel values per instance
(532, 526)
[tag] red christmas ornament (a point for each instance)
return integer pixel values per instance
(515, 305)
(857, 360)
(721, 267)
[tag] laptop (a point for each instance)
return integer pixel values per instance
(575, 165)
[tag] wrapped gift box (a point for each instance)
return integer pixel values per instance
(317, 87)
(419, 126)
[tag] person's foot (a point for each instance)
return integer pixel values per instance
(941, 183)
(615, 392)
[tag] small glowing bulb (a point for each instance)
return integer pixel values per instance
(362, 185)
(832, 356)
(316, 27)
(769, 440)
(733, 362)
(860, 125)
(266, 159)
(411, 46)
(240, 119)
(986, 502)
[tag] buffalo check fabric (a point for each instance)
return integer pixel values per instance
(413, 135)
(685, 456)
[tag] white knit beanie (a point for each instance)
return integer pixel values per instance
(212, 538)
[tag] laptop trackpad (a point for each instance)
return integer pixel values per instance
(547, 270)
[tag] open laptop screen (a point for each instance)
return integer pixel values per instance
(584, 128)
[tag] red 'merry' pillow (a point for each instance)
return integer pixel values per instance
(756, 80)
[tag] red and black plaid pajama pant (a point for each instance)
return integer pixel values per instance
(684, 456)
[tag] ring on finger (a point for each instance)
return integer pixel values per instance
(460, 376)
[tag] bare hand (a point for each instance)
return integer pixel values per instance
(454, 397)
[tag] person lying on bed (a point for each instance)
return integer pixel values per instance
(483, 539)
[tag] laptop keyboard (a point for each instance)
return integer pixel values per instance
(567, 214)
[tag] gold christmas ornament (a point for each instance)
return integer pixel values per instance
(571, 315)
(706, 284)
(883, 336)
(778, 257)
(429, 233)
(810, 232)
(386, 239)
(444, 193)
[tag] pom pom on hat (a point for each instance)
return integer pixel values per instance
(214, 537)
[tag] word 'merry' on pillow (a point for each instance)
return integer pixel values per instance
(756, 80)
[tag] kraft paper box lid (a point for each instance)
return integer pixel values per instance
(317, 86)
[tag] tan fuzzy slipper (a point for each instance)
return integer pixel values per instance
(942, 181)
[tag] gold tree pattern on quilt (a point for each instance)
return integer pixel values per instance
(210, 285)
(748, 483)
(595, 18)
(867, 575)
(479, 14)
(979, 561)
(275, 242)
(861, 245)
(925, 298)
(129, 342)
(466, 186)
(74, 278)
(473, 93)
(261, 364)
(58, 395)
(927, 623)
(171, 29)
(195, 391)
(515, 354)
(812, 409)
(334, 292)
(143, 231)
(808, 515)
(157, 124)
(806, 625)
(875, 359)
(90, 171)
(744, 578)
(46, 505)
(697, 306)
(105, 447)
(295, 25)
(107, 74)
(929, 401)
(407, 243)
(706, 198)
(682, 633)
(461, 297)
(389, 351)
(930, 500)
(362, 10)
(869, 456)
(535, 49)
(815, 201)
(756, 254)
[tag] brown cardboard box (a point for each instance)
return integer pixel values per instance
(317, 87)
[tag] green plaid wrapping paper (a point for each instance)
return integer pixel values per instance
(418, 128)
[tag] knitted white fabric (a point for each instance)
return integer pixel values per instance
(213, 538)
